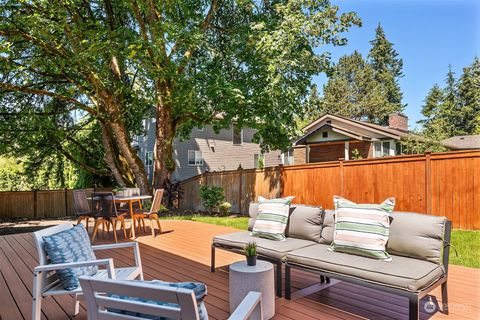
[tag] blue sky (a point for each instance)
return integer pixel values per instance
(428, 34)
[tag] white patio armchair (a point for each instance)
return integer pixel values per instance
(101, 296)
(45, 279)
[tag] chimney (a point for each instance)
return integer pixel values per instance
(398, 121)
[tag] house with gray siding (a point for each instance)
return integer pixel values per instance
(209, 151)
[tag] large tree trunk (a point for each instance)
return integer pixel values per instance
(164, 163)
(109, 157)
(131, 157)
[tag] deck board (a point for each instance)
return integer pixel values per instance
(184, 255)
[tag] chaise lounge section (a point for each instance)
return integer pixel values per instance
(303, 230)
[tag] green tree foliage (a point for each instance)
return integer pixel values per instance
(352, 91)
(12, 176)
(431, 110)
(388, 68)
(188, 61)
(454, 109)
(469, 98)
(362, 89)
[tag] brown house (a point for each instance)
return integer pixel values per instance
(331, 137)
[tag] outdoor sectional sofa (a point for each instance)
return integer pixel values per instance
(418, 245)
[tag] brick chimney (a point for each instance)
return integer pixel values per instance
(398, 121)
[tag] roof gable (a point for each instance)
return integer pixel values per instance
(350, 128)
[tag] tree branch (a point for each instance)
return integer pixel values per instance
(204, 26)
(10, 87)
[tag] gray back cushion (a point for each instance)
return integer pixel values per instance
(328, 227)
(416, 235)
(305, 222)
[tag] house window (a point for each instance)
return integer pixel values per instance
(149, 162)
(382, 148)
(259, 160)
(287, 157)
(195, 158)
(325, 134)
(237, 135)
(399, 148)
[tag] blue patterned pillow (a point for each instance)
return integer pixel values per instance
(199, 289)
(72, 245)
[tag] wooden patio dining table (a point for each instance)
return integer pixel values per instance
(130, 200)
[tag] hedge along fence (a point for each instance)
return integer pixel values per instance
(443, 184)
(37, 204)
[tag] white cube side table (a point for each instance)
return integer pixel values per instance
(244, 278)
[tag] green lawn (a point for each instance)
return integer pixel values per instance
(466, 243)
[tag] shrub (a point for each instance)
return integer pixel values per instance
(163, 209)
(224, 207)
(211, 196)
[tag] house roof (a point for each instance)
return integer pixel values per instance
(344, 126)
(462, 142)
(343, 131)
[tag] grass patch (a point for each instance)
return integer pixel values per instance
(466, 243)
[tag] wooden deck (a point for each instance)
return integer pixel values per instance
(184, 255)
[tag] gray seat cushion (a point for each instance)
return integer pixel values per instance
(416, 235)
(276, 250)
(402, 272)
(304, 222)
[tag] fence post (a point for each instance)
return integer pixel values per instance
(240, 189)
(341, 176)
(280, 183)
(66, 201)
(35, 203)
(428, 182)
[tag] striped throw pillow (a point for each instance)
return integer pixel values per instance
(272, 218)
(362, 229)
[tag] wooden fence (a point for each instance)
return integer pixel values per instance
(444, 184)
(36, 204)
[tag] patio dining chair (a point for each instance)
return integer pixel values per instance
(106, 214)
(46, 278)
(81, 207)
(114, 299)
(140, 215)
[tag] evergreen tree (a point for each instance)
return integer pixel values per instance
(431, 110)
(387, 67)
(352, 91)
(455, 109)
(450, 110)
(469, 98)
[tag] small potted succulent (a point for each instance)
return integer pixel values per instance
(250, 251)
